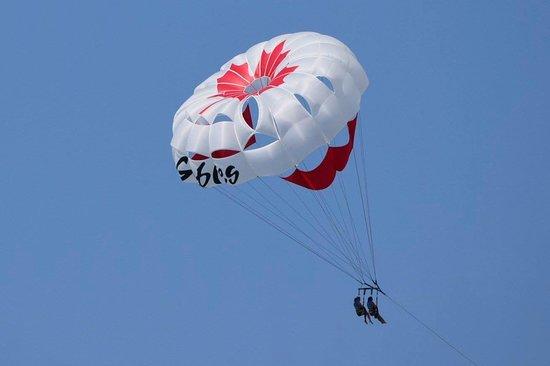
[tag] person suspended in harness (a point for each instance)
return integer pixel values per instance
(360, 310)
(373, 310)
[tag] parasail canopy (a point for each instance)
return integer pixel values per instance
(267, 110)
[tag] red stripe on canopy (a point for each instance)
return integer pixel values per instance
(334, 161)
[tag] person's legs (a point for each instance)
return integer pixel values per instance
(367, 316)
(380, 319)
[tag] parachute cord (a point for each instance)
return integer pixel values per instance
(288, 221)
(325, 207)
(431, 330)
(282, 231)
(295, 210)
(342, 257)
(308, 209)
(358, 247)
(341, 215)
(266, 219)
(366, 206)
(344, 248)
(330, 216)
(351, 243)
(326, 232)
(363, 206)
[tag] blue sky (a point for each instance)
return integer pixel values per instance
(107, 259)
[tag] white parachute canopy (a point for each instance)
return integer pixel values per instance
(267, 110)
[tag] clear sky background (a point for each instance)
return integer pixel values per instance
(107, 259)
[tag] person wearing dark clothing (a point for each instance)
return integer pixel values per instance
(360, 310)
(373, 310)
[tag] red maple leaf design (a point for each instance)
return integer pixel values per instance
(238, 83)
